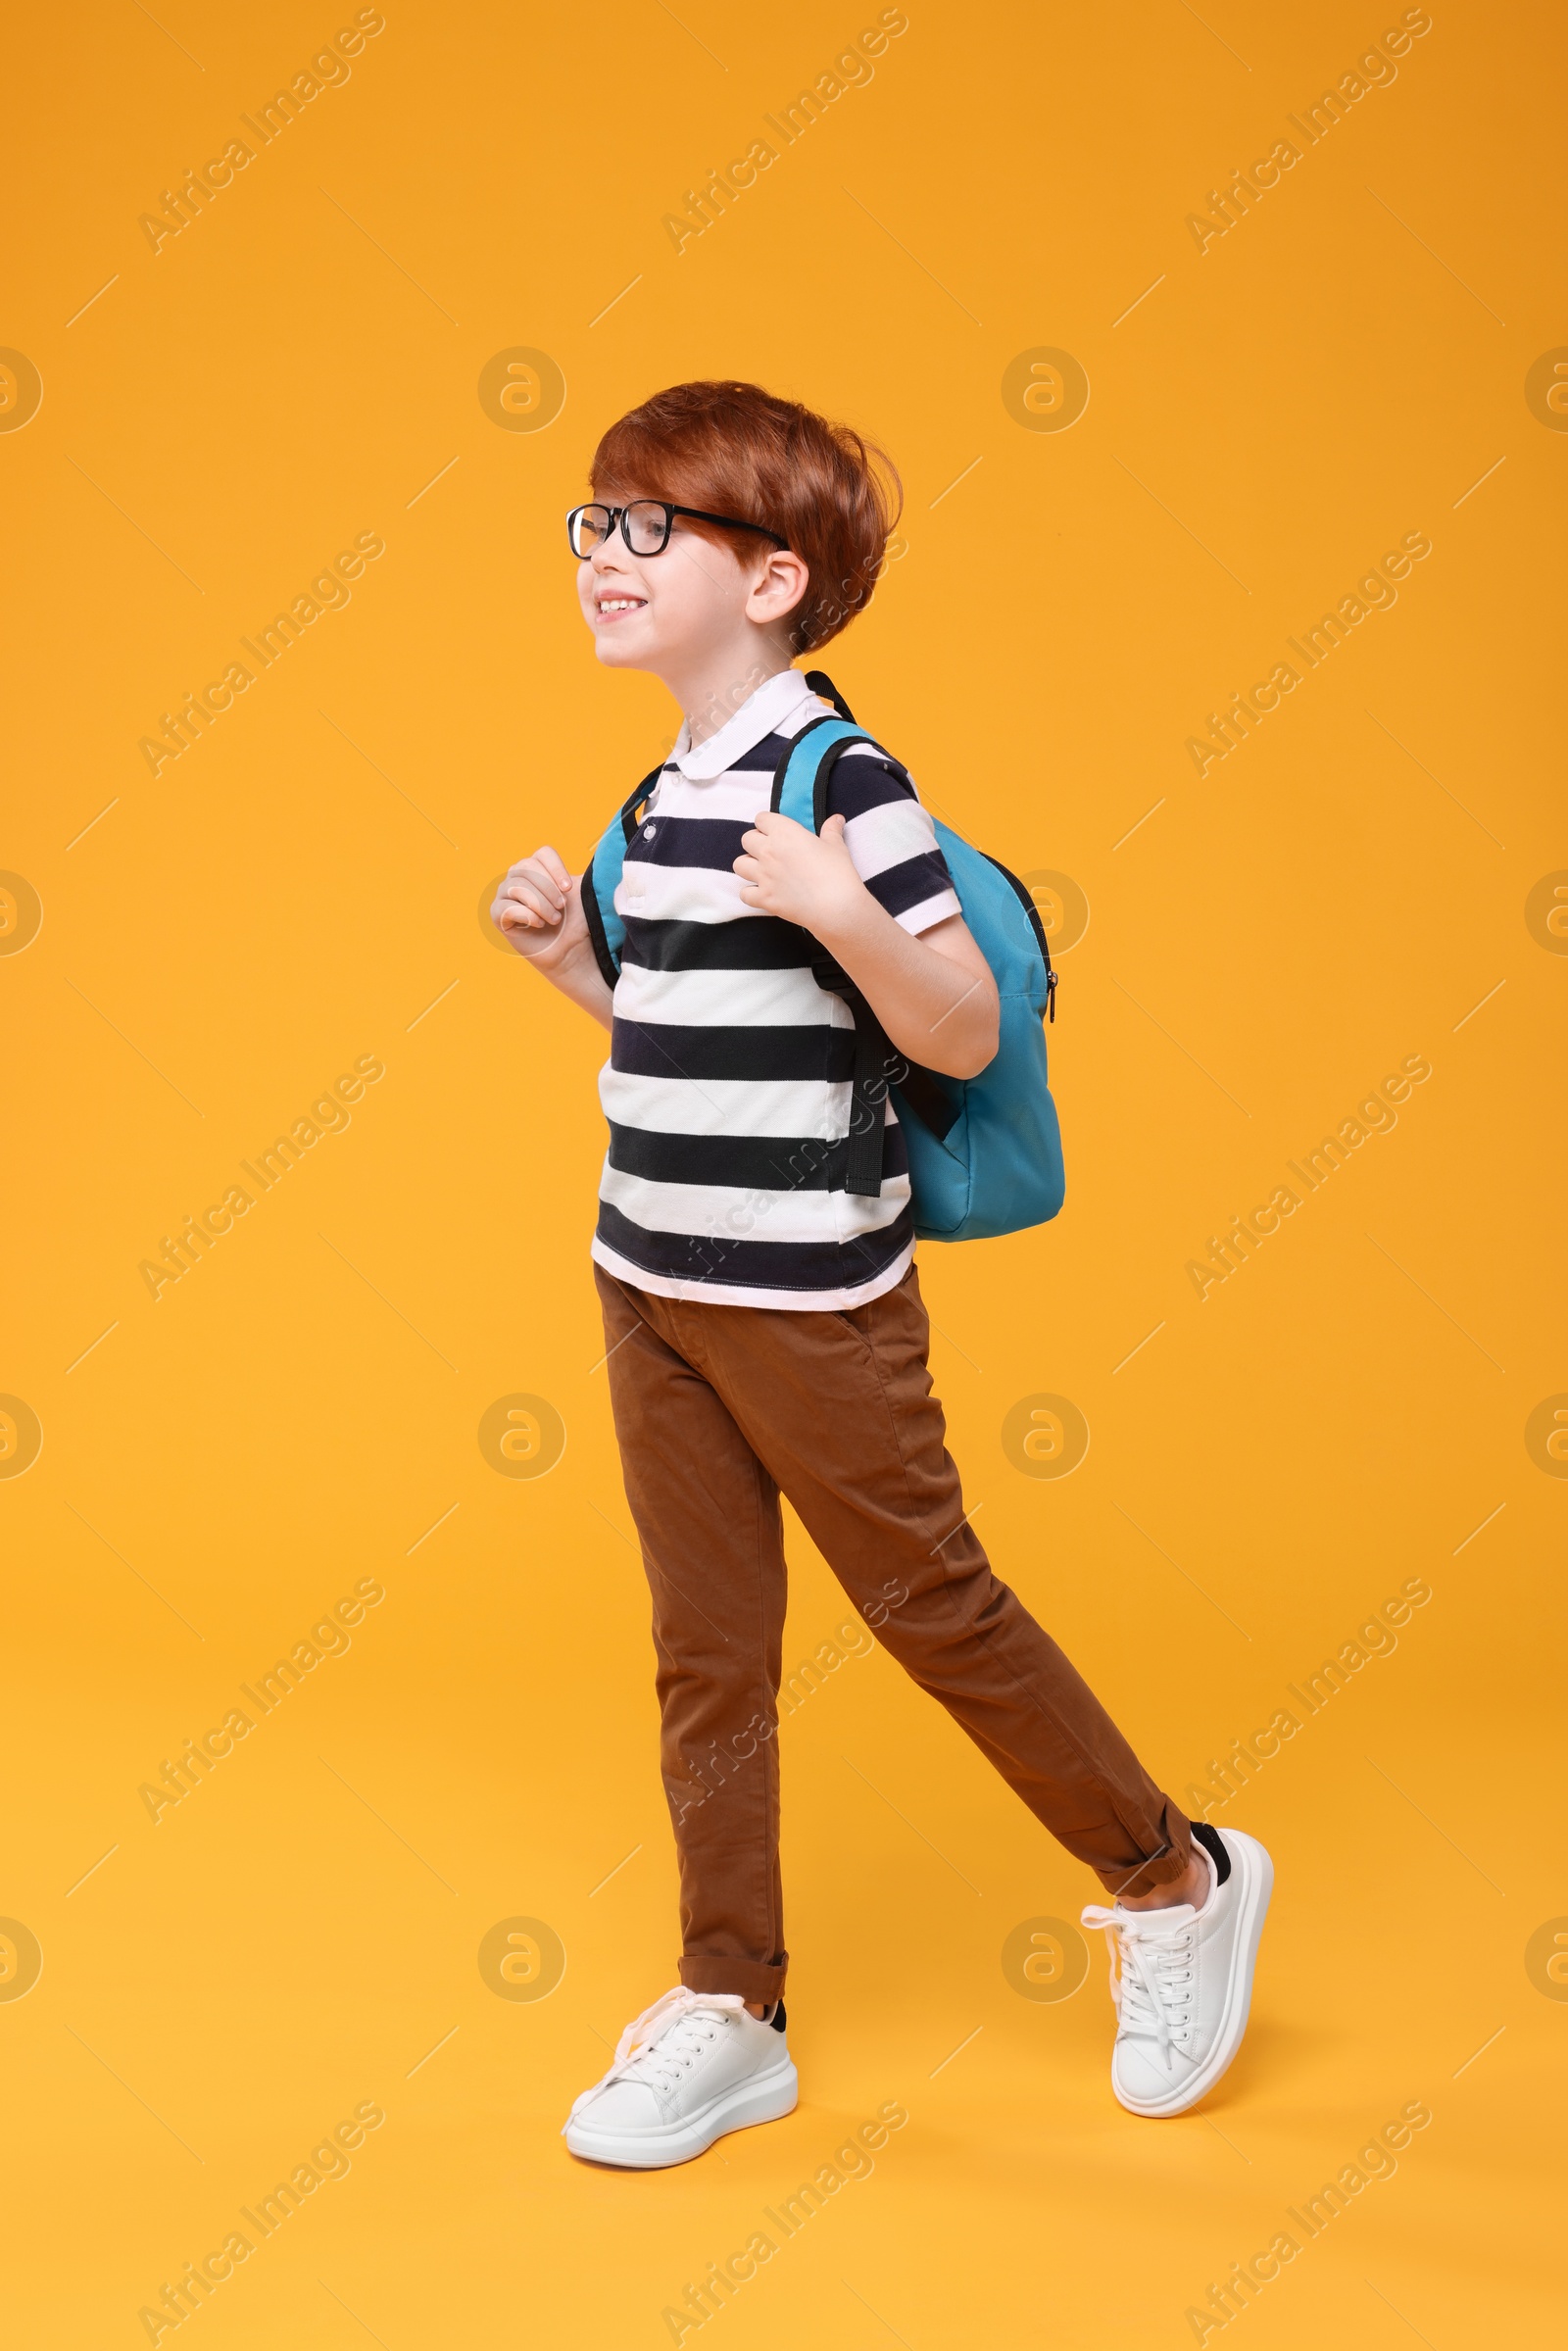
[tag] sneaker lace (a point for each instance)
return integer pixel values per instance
(1153, 1971)
(658, 2046)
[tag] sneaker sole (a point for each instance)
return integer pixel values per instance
(765, 2098)
(1256, 1871)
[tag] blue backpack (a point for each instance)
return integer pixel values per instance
(985, 1152)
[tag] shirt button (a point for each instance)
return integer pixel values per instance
(648, 832)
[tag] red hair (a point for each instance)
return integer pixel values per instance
(734, 449)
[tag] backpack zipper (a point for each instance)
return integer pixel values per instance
(1039, 928)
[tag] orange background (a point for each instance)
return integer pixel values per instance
(300, 1414)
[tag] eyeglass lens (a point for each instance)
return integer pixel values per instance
(647, 527)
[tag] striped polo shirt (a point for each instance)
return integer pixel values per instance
(727, 1089)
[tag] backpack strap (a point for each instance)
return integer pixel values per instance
(799, 773)
(606, 929)
(801, 784)
(822, 685)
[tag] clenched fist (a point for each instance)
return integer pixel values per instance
(538, 909)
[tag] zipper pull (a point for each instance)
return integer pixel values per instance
(1051, 994)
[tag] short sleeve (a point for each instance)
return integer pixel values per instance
(891, 838)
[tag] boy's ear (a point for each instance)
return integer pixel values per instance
(779, 586)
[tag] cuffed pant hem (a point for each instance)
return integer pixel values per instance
(752, 1979)
(1141, 1877)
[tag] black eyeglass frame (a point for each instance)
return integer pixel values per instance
(619, 515)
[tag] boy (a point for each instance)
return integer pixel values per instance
(764, 1326)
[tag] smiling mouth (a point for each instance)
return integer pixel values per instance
(616, 607)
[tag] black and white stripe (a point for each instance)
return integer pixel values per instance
(727, 1089)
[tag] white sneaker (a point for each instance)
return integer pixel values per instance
(1182, 1979)
(690, 2068)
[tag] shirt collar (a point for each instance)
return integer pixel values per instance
(758, 716)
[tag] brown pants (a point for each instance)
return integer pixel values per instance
(718, 1408)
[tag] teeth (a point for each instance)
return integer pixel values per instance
(620, 604)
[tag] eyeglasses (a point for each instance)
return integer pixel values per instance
(645, 525)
